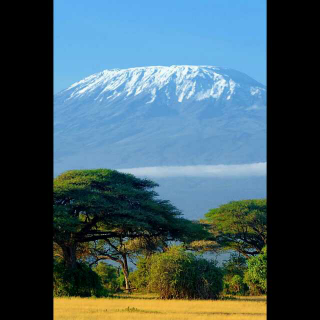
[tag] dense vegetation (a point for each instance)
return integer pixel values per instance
(178, 274)
(256, 275)
(240, 226)
(102, 215)
(82, 281)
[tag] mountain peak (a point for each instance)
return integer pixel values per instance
(177, 82)
(160, 115)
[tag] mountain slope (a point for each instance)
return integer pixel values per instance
(153, 116)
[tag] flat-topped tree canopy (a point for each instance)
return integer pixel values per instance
(240, 225)
(99, 204)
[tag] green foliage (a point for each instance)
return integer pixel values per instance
(101, 204)
(179, 274)
(237, 285)
(108, 275)
(236, 264)
(256, 275)
(233, 279)
(240, 226)
(82, 281)
(87, 200)
(121, 279)
(104, 214)
(118, 213)
(190, 232)
(234, 285)
(139, 277)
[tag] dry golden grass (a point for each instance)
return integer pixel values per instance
(136, 308)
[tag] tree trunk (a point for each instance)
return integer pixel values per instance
(69, 255)
(125, 270)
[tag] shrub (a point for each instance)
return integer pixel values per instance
(256, 275)
(81, 282)
(237, 286)
(178, 274)
(139, 277)
(108, 275)
(121, 279)
(233, 279)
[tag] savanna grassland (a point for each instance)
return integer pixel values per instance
(148, 307)
(102, 215)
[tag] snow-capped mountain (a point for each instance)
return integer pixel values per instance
(175, 83)
(154, 116)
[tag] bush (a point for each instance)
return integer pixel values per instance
(237, 286)
(178, 274)
(108, 275)
(139, 277)
(256, 275)
(233, 279)
(80, 282)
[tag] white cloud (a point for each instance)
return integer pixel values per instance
(254, 107)
(235, 170)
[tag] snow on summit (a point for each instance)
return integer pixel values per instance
(160, 116)
(186, 123)
(176, 83)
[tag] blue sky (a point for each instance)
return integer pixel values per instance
(91, 36)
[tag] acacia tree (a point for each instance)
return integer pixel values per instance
(123, 248)
(90, 204)
(240, 226)
(153, 238)
(110, 210)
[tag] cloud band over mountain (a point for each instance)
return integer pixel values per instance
(215, 171)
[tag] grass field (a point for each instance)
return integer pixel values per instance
(147, 307)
